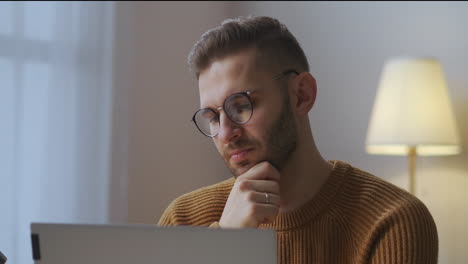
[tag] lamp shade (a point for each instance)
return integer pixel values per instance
(412, 109)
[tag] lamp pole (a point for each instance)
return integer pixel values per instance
(412, 168)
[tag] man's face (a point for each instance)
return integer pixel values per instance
(270, 134)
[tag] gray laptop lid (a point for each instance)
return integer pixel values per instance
(135, 244)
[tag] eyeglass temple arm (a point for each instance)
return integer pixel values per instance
(286, 72)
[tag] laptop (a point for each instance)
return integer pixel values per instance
(141, 244)
(3, 259)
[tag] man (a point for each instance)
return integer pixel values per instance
(255, 95)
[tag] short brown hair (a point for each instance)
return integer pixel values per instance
(276, 47)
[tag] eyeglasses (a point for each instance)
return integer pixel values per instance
(238, 108)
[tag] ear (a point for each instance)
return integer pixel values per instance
(304, 93)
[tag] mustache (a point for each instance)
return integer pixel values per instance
(238, 144)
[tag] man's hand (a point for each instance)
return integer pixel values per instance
(247, 203)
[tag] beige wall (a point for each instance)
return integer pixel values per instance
(347, 44)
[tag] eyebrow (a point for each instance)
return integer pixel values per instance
(215, 108)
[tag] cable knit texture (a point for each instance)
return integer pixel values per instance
(355, 218)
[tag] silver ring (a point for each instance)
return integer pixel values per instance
(267, 198)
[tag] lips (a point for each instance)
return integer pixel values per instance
(240, 155)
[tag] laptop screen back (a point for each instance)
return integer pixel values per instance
(124, 244)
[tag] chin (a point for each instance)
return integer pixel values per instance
(242, 167)
(239, 170)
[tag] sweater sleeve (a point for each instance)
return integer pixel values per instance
(408, 235)
(167, 218)
(200, 208)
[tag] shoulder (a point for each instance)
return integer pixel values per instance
(384, 214)
(205, 197)
(374, 192)
(366, 198)
(199, 207)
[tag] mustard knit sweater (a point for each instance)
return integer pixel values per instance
(355, 218)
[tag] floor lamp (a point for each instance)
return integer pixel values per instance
(412, 113)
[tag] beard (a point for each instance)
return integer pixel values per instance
(281, 142)
(282, 137)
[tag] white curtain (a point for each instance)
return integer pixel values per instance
(55, 117)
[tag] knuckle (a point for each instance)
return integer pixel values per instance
(250, 197)
(242, 185)
(264, 173)
(268, 167)
(269, 172)
(262, 167)
(260, 164)
(252, 210)
(265, 165)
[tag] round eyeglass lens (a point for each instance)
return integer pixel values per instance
(238, 108)
(207, 121)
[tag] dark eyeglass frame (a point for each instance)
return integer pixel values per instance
(246, 94)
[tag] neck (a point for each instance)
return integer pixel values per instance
(303, 175)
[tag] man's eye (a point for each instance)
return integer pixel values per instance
(214, 119)
(244, 107)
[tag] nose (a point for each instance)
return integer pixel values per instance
(228, 130)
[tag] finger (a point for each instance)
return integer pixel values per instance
(266, 213)
(263, 186)
(262, 171)
(261, 198)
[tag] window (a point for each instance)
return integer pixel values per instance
(55, 117)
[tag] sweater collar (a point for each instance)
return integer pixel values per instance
(317, 205)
